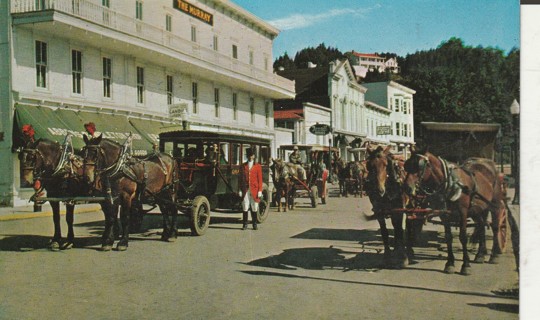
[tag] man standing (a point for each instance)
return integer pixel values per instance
(251, 187)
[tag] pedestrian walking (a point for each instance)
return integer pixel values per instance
(251, 187)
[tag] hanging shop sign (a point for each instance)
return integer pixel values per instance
(194, 11)
(384, 130)
(320, 129)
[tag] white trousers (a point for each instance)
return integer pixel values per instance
(248, 202)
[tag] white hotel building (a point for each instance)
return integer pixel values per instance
(125, 64)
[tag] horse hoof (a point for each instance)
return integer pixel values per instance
(494, 259)
(54, 246)
(107, 247)
(68, 245)
(449, 269)
(466, 271)
(121, 247)
(171, 239)
(479, 259)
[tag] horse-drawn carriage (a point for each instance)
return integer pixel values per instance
(209, 171)
(316, 163)
(460, 192)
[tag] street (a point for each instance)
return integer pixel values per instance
(310, 263)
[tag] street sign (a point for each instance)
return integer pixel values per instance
(176, 110)
(320, 129)
(382, 130)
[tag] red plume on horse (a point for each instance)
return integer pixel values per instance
(90, 128)
(28, 132)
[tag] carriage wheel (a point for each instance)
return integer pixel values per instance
(503, 229)
(264, 205)
(314, 196)
(200, 216)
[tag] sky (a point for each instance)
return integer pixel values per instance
(397, 26)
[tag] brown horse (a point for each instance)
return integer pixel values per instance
(470, 190)
(384, 188)
(358, 172)
(109, 170)
(49, 166)
(282, 175)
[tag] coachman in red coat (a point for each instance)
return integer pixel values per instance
(251, 187)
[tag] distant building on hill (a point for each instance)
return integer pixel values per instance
(370, 62)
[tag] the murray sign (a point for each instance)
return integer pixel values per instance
(194, 11)
(320, 129)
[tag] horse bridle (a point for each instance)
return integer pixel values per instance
(422, 169)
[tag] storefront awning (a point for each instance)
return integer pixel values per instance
(55, 124)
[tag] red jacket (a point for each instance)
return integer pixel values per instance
(251, 179)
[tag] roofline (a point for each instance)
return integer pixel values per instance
(461, 126)
(401, 87)
(248, 15)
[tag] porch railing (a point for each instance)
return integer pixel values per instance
(103, 16)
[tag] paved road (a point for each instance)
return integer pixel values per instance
(318, 263)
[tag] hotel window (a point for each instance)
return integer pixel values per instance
(41, 64)
(40, 4)
(140, 85)
(138, 10)
(396, 105)
(216, 102)
(267, 113)
(403, 130)
(76, 71)
(234, 51)
(193, 33)
(168, 22)
(194, 94)
(107, 77)
(252, 109)
(250, 57)
(235, 105)
(216, 43)
(106, 16)
(169, 89)
(397, 128)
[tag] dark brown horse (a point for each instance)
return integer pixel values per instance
(282, 175)
(131, 182)
(49, 166)
(470, 190)
(384, 188)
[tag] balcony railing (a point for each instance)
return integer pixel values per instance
(103, 16)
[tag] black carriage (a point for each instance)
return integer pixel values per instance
(209, 166)
(315, 186)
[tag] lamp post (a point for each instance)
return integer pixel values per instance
(514, 110)
(183, 116)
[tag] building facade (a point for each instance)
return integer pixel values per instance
(332, 88)
(300, 120)
(154, 65)
(392, 113)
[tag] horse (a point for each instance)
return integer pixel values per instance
(384, 189)
(358, 174)
(470, 190)
(49, 166)
(344, 174)
(283, 174)
(110, 170)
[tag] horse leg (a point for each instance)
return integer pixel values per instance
(57, 237)
(449, 267)
(124, 218)
(387, 255)
(70, 208)
(466, 267)
(174, 222)
(496, 249)
(482, 249)
(170, 232)
(399, 246)
(110, 211)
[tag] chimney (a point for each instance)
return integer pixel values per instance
(311, 65)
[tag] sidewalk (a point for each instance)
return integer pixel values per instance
(27, 212)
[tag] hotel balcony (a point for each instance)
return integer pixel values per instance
(111, 30)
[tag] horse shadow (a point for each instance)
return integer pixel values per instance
(318, 258)
(27, 243)
(503, 307)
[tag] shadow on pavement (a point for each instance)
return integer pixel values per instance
(24, 243)
(504, 307)
(393, 286)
